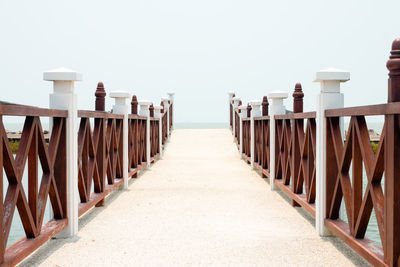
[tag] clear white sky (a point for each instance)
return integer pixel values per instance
(199, 49)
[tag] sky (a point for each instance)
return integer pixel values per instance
(198, 49)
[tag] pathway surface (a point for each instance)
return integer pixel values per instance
(200, 205)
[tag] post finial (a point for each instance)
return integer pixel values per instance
(393, 65)
(248, 110)
(151, 108)
(265, 105)
(134, 105)
(100, 102)
(298, 96)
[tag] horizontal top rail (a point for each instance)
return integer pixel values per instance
(23, 110)
(98, 114)
(372, 110)
(246, 119)
(300, 115)
(134, 116)
(261, 118)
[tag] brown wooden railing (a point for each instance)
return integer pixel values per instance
(295, 158)
(33, 153)
(137, 144)
(99, 164)
(261, 145)
(361, 173)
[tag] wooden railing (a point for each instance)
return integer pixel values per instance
(100, 164)
(261, 145)
(319, 168)
(295, 158)
(30, 200)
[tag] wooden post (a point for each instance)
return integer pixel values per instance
(134, 105)
(298, 96)
(231, 95)
(100, 123)
(151, 111)
(265, 105)
(100, 103)
(392, 166)
(144, 111)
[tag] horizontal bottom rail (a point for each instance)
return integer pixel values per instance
(300, 199)
(364, 247)
(26, 246)
(246, 158)
(264, 172)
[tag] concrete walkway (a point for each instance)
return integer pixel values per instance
(200, 205)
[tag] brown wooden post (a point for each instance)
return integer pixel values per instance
(297, 124)
(248, 110)
(298, 96)
(151, 111)
(100, 128)
(391, 244)
(134, 105)
(100, 102)
(265, 105)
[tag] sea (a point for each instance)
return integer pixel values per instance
(17, 231)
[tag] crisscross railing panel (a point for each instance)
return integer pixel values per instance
(261, 145)
(154, 139)
(99, 157)
(351, 163)
(34, 152)
(246, 139)
(295, 163)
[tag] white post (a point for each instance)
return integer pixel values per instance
(236, 101)
(63, 97)
(171, 98)
(276, 108)
(255, 112)
(231, 94)
(166, 109)
(243, 115)
(121, 107)
(144, 111)
(157, 114)
(329, 97)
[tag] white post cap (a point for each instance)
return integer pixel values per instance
(255, 103)
(330, 79)
(62, 74)
(277, 95)
(231, 93)
(120, 94)
(331, 74)
(164, 98)
(145, 103)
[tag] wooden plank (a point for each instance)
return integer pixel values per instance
(24, 247)
(364, 247)
(298, 198)
(22, 110)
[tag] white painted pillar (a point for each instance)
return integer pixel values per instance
(63, 97)
(236, 101)
(166, 109)
(144, 111)
(122, 107)
(329, 98)
(243, 115)
(171, 98)
(255, 112)
(275, 108)
(231, 94)
(157, 114)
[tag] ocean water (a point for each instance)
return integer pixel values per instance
(17, 231)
